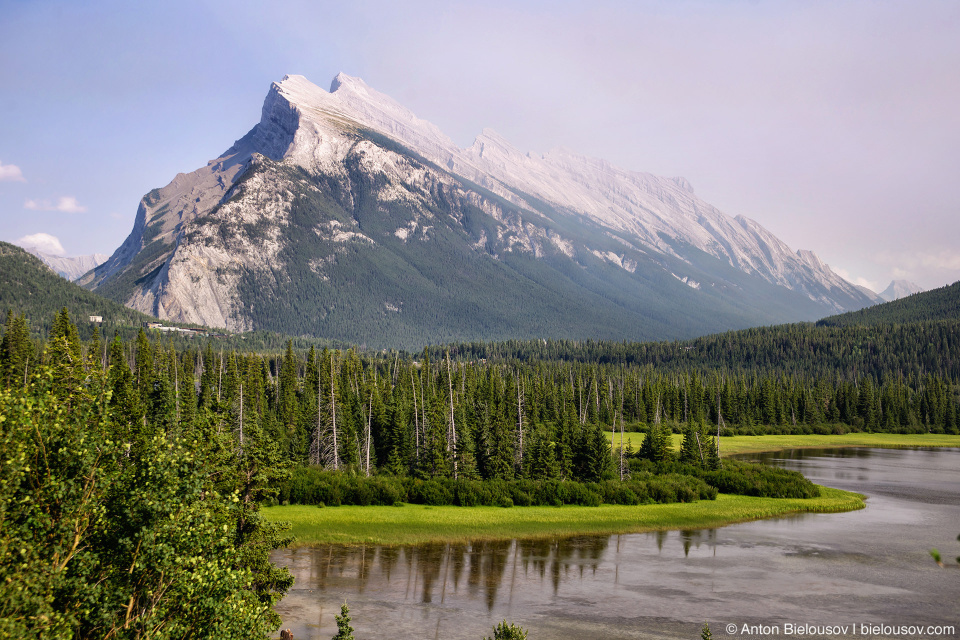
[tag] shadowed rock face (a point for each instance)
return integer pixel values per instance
(342, 214)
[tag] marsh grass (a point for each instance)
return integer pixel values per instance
(415, 524)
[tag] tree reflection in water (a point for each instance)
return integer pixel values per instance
(432, 571)
(628, 585)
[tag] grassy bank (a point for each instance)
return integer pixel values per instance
(733, 445)
(412, 524)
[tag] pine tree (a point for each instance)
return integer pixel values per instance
(647, 448)
(124, 400)
(500, 458)
(542, 461)
(287, 405)
(16, 351)
(65, 352)
(344, 630)
(688, 448)
(95, 350)
(596, 463)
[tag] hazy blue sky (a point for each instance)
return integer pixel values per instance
(834, 124)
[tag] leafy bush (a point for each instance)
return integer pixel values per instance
(312, 485)
(432, 492)
(737, 477)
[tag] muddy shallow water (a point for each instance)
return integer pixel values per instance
(868, 567)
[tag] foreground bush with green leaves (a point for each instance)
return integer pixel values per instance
(118, 528)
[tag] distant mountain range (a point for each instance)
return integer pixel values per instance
(900, 289)
(70, 268)
(343, 215)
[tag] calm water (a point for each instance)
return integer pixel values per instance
(864, 567)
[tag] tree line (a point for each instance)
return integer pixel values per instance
(805, 349)
(441, 415)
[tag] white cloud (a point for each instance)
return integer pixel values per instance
(937, 258)
(11, 173)
(42, 242)
(66, 204)
(945, 260)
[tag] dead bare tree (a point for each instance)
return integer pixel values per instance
(520, 402)
(324, 448)
(452, 431)
(416, 416)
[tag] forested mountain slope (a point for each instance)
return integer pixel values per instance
(30, 288)
(928, 306)
(847, 352)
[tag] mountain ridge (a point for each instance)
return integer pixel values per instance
(491, 157)
(73, 267)
(329, 181)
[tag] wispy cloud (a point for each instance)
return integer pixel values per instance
(11, 173)
(939, 258)
(66, 204)
(858, 280)
(42, 242)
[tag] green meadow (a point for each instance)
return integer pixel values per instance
(415, 524)
(733, 445)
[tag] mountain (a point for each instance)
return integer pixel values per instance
(70, 268)
(900, 289)
(31, 288)
(341, 214)
(936, 305)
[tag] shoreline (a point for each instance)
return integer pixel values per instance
(422, 524)
(739, 445)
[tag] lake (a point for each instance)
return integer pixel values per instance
(867, 567)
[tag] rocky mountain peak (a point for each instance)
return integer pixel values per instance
(342, 79)
(900, 289)
(317, 191)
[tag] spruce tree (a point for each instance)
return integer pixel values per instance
(689, 452)
(344, 630)
(124, 400)
(16, 351)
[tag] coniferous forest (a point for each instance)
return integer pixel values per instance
(135, 469)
